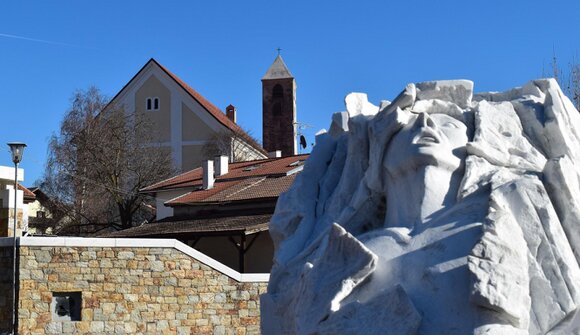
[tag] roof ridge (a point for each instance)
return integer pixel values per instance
(246, 187)
(212, 191)
(177, 197)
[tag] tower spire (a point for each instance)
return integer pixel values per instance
(278, 70)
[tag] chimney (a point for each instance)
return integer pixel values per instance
(275, 154)
(231, 113)
(221, 165)
(208, 178)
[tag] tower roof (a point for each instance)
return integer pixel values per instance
(278, 70)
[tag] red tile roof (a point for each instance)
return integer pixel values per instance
(250, 189)
(29, 196)
(245, 181)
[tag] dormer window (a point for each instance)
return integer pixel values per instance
(152, 104)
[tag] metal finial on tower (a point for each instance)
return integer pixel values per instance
(278, 49)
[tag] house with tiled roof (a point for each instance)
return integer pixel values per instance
(183, 121)
(222, 209)
(23, 197)
(44, 217)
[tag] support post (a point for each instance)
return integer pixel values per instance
(14, 305)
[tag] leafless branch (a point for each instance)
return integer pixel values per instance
(98, 162)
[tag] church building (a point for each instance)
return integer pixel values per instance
(183, 121)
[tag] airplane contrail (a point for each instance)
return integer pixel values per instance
(42, 41)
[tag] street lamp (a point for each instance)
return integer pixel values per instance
(17, 150)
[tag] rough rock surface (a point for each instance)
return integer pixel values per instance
(441, 212)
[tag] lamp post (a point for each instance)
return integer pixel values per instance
(17, 150)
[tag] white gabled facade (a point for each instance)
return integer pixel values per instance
(183, 120)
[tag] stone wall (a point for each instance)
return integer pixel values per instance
(6, 288)
(133, 290)
(7, 222)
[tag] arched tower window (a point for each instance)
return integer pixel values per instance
(277, 92)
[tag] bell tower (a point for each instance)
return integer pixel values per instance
(279, 109)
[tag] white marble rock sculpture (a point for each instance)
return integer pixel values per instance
(442, 212)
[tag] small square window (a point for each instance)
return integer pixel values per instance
(66, 306)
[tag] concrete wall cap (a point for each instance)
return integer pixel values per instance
(136, 243)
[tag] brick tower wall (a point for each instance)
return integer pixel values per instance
(279, 116)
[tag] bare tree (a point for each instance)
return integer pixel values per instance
(97, 164)
(237, 144)
(573, 83)
(569, 80)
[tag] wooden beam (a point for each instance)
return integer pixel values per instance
(251, 242)
(242, 248)
(242, 252)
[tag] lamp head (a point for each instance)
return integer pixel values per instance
(17, 149)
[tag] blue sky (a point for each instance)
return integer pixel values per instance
(48, 49)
